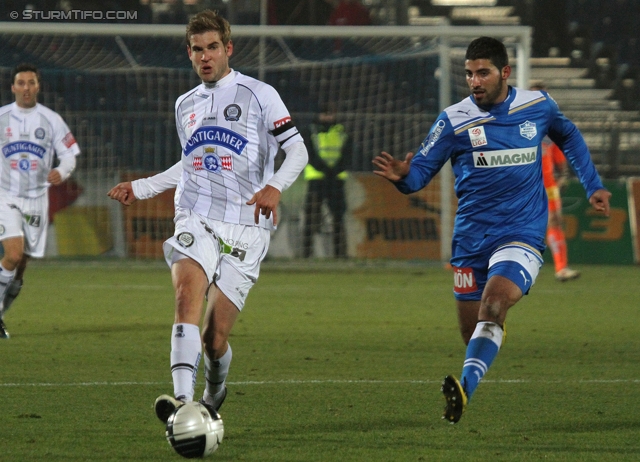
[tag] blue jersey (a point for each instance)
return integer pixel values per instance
(497, 162)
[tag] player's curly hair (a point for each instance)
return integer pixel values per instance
(488, 48)
(207, 21)
(24, 67)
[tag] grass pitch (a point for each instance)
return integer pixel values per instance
(328, 365)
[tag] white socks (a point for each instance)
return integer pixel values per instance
(215, 373)
(186, 351)
(6, 277)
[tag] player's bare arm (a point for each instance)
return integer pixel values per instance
(391, 168)
(266, 201)
(599, 200)
(123, 193)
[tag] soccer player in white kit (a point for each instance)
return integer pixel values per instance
(31, 136)
(230, 127)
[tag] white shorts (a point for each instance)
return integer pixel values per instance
(518, 262)
(229, 254)
(27, 218)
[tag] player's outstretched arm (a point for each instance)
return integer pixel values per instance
(599, 200)
(123, 193)
(391, 168)
(266, 201)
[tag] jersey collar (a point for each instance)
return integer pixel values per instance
(500, 107)
(227, 79)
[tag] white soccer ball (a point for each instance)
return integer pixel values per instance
(193, 432)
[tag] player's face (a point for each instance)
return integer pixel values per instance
(209, 56)
(25, 87)
(487, 83)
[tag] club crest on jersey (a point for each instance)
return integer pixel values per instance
(477, 136)
(211, 161)
(214, 135)
(39, 133)
(232, 113)
(528, 130)
(24, 164)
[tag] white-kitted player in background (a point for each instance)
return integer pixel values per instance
(31, 136)
(231, 127)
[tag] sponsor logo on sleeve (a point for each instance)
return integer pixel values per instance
(505, 158)
(528, 130)
(477, 136)
(68, 140)
(281, 122)
(463, 280)
(432, 138)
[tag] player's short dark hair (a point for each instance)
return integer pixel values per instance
(24, 67)
(488, 48)
(207, 21)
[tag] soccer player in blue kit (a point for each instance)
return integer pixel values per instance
(492, 139)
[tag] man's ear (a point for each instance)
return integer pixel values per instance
(506, 72)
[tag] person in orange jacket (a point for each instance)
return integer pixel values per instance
(554, 174)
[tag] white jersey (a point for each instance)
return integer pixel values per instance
(30, 139)
(230, 134)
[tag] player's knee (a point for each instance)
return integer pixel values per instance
(12, 257)
(494, 307)
(215, 343)
(188, 309)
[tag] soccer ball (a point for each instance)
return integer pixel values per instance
(193, 432)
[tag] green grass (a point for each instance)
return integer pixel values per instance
(328, 365)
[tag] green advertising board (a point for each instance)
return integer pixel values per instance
(592, 237)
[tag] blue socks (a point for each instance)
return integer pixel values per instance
(481, 351)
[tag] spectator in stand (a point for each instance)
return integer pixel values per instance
(350, 13)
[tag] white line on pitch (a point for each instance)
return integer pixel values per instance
(302, 382)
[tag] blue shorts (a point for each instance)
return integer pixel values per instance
(517, 258)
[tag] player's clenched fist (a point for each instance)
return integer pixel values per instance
(123, 193)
